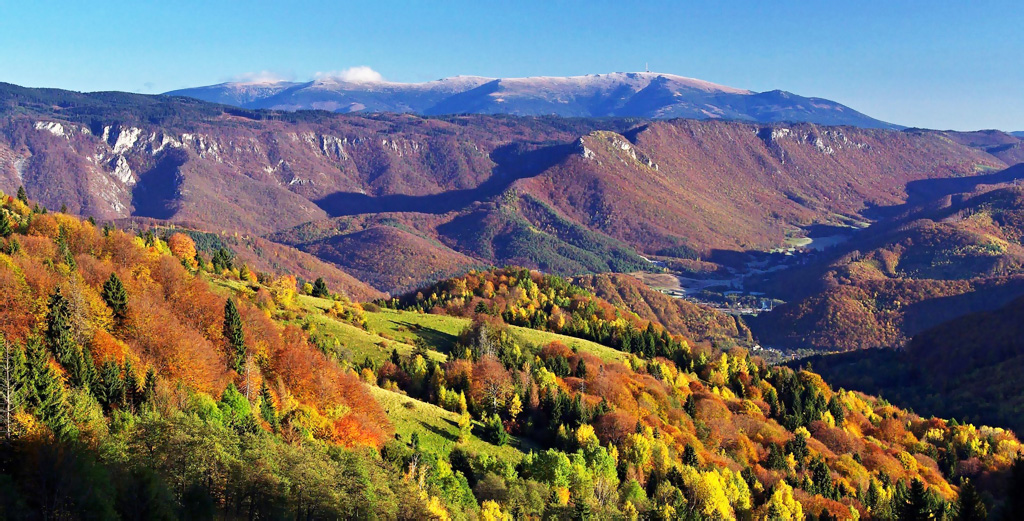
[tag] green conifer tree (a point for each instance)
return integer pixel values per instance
(320, 289)
(970, 506)
(5, 226)
(267, 409)
(46, 395)
(110, 385)
(22, 195)
(130, 397)
(916, 505)
(234, 335)
(115, 296)
(690, 456)
(64, 250)
(61, 341)
(149, 388)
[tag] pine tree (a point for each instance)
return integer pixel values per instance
(130, 396)
(5, 227)
(581, 369)
(320, 289)
(267, 409)
(581, 509)
(690, 406)
(110, 385)
(115, 295)
(970, 506)
(12, 384)
(46, 395)
(1014, 492)
(61, 341)
(149, 388)
(690, 456)
(64, 250)
(22, 196)
(234, 335)
(916, 505)
(243, 273)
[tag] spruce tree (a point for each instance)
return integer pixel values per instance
(22, 196)
(64, 250)
(970, 506)
(690, 456)
(13, 380)
(115, 296)
(320, 289)
(130, 396)
(110, 385)
(61, 341)
(581, 369)
(916, 505)
(5, 227)
(45, 393)
(267, 409)
(234, 335)
(149, 388)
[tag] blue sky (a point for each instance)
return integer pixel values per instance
(934, 64)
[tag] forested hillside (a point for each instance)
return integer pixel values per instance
(143, 380)
(568, 196)
(949, 257)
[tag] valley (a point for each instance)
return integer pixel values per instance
(319, 290)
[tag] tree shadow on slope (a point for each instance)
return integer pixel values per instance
(514, 161)
(156, 193)
(929, 192)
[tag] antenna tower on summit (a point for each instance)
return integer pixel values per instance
(647, 67)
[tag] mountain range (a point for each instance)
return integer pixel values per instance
(301, 310)
(566, 195)
(620, 94)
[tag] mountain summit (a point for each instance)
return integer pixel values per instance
(620, 94)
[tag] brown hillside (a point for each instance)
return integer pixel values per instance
(679, 316)
(389, 258)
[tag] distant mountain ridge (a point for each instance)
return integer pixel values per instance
(564, 195)
(620, 94)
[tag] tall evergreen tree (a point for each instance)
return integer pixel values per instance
(130, 396)
(61, 341)
(1014, 508)
(267, 409)
(64, 250)
(916, 505)
(5, 226)
(109, 386)
(690, 456)
(149, 387)
(320, 288)
(22, 195)
(12, 384)
(115, 295)
(970, 506)
(45, 394)
(234, 335)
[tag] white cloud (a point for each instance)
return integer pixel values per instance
(360, 74)
(259, 77)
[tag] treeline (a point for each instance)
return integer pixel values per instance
(130, 389)
(665, 428)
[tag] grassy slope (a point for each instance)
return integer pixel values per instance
(442, 331)
(438, 429)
